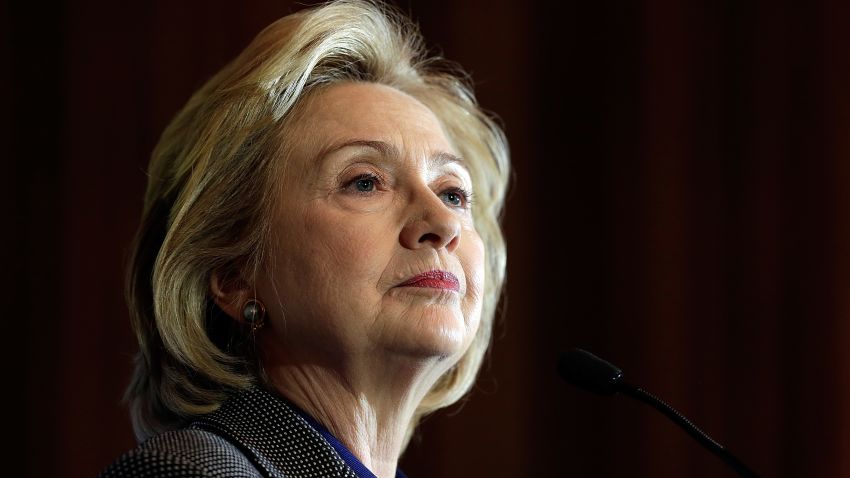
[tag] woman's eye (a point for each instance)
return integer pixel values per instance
(364, 185)
(456, 197)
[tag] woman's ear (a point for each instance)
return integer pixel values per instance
(230, 294)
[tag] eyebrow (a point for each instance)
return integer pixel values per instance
(386, 149)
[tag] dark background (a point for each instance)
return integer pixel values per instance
(681, 207)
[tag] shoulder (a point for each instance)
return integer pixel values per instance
(183, 453)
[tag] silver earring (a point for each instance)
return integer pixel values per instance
(254, 314)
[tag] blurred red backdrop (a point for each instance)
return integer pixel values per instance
(681, 206)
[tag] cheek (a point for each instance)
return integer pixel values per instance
(338, 250)
(326, 270)
(473, 260)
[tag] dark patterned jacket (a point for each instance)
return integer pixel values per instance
(254, 434)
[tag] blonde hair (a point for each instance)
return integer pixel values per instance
(209, 198)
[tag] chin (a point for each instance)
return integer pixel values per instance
(438, 332)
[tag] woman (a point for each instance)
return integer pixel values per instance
(312, 274)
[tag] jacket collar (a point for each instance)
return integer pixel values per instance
(274, 437)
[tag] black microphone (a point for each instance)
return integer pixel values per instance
(589, 372)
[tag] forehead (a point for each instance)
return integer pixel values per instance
(367, 112)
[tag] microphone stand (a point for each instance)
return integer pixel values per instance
(719, 450)
(589, 372)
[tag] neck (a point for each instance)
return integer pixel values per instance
(367, 404)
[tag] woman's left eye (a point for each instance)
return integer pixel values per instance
(456, 197)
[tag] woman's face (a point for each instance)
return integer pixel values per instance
(375, 247)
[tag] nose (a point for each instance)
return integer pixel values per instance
(430, 224)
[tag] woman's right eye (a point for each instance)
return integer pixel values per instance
(363, 184)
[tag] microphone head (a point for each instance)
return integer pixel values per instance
(585, 370)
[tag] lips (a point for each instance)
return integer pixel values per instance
(435, 279)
